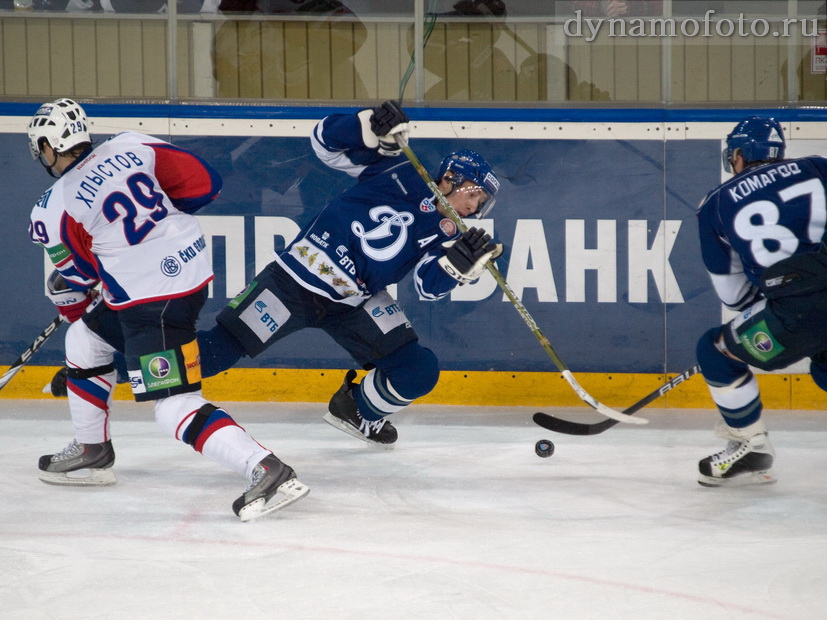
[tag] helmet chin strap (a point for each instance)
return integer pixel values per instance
(451, 183)
(49, 169)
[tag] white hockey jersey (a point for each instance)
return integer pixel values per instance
(121, 216)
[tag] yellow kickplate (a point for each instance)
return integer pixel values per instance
(494, 389)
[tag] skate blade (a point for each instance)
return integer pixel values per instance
(291, 491)
(354, 432)
(758, 477)
(80, 478)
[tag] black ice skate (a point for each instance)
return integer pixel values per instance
(747, 459)
(344, 415)
(270, 477)
(79, 464)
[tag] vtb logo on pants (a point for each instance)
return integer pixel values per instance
(265, 315)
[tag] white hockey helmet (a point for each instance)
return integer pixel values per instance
(62, 124)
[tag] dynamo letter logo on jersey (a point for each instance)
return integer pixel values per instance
(389, 221)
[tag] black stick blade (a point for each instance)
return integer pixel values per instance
(568, 427)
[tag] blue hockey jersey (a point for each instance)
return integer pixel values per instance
(374, 233)
(758, 218)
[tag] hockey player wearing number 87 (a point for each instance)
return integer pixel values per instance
(334, 275)
(762, 242)
(120, 216)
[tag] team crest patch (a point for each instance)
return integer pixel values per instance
(170, 266)
(448, 227)
(426, 206)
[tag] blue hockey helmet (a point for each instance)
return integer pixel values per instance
(757, 139)
(468, 165)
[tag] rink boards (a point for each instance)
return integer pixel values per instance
(596, 211)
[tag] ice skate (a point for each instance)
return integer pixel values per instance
(747, 458)
(270, 478)
(79, 464)
(344, 415)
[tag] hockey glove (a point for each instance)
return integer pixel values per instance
(466, 257)
(381, 124)
(70, 304)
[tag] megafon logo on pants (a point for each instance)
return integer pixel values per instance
(160, 370)
(760, 343)
(158, 367)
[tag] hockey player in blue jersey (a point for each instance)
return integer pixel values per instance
(334, 275)
(762, 241)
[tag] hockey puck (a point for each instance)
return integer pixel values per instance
(544, 448)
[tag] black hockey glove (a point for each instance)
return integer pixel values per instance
(381, 124)
(466, 257)
(386, 117)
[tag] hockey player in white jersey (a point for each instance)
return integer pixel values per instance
(119, 219)
(334, 275)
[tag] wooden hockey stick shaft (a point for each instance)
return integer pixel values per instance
(33, 348)
(512, 297)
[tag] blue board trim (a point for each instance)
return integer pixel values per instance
(541, 115)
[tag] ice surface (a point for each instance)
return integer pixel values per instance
(460, 520)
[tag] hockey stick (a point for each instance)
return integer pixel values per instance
(568, 427)
(33, 348)
(532, 324)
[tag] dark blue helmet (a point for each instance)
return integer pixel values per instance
(470, 166)
(757, 138)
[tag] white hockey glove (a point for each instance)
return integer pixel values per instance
(380, 126)
(70, 304)
(465, 258)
